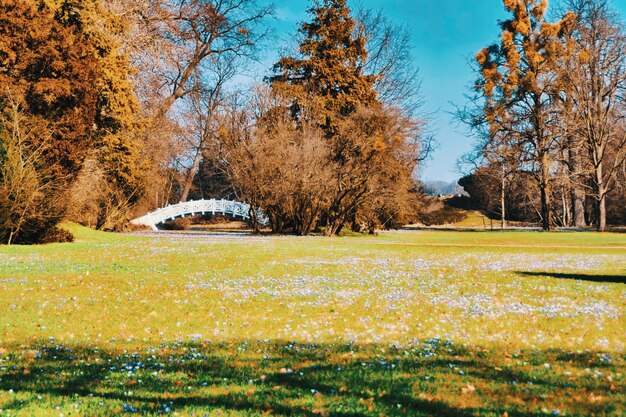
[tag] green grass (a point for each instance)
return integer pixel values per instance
(406, 323)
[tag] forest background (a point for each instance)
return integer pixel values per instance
(111, 109)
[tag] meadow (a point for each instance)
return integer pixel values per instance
(413, 323)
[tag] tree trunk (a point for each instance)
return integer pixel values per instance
(602, 215)
(190, 176)
(566, 215)
(578, 208)
(332, 228)
(503, 204)
(546, 203)
(601, 198)
(546, 215)
(577, 195)
(254, 220)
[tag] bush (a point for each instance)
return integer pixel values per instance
(138, 228)
(57, 235)
(177, 224)
(29, 192)
(445, 215)
(41, 232)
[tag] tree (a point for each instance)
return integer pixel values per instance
(29, 198)
(389, 57)
(483, 187)
(196, 31)
(202, 126)
(62, 59)
(518, 84)
(497, 155)
(367, 139)
(594, 79)
(50, 64)
(391, 143)
(117, 149)
(331, 66)
(178, 46)
(280, 166)
(521, 198)
(376, 151)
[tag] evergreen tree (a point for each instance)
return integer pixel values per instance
(330, 67)
(59, 60)
(370, 150)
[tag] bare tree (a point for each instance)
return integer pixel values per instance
(519, 92)
(594, 77)
(398, 81)
(197, 31)
(389, 58)
(279, 165)
(95, 201)
(202, 124)
(498, 153)
(179, 48)
(30, 202)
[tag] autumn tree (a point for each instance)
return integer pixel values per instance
(180, 49)
(278, 165)
(116, 151)
(328, 78)
(48, 61)
(330, 67)
(594, 83)
(381, 169)
(29, 195)
(60, 59)
(520, 90)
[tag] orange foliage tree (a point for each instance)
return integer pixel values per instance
(373, 146)
(520, 90)
(594, 81)
(60, 59)
(330, 67)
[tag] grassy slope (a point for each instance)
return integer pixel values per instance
(482, 323)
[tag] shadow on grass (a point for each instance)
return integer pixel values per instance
(619, 279)
(281, 378)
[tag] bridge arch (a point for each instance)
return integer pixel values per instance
(235, 209)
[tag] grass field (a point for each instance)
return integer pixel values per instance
(406, 323)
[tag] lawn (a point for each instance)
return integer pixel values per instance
(405, 323)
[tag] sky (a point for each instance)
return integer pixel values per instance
(445, 34)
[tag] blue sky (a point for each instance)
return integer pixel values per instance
(445, 34)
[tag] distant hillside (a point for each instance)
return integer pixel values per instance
(443, 188)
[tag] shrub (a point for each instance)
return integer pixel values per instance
(30, 202)
(177, 224)
(445, 215)
(57, 235)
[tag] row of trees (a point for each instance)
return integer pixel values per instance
(65, 97)
(549, 112)
(112, 108)
(90, 94)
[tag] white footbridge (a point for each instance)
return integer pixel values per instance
(213, 206)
